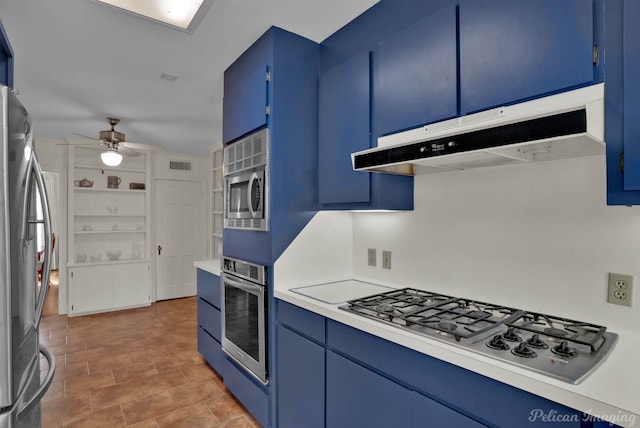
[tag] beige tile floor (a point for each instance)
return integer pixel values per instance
(135, 368)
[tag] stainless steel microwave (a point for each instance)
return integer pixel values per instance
(246, 183)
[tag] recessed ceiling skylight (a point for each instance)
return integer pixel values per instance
(182, 14)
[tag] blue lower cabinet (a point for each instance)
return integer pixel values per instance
(209, 319)
(247, 390)
(209, 287)
(358, 397)
(430, 413)
(211, 350)
(603, 424)
(300, 379)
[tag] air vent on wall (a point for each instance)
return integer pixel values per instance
(179, 166)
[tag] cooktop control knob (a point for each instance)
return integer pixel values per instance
(535, 342)
(523, 351)
(497, 342)
(563, 350)
(511, 336)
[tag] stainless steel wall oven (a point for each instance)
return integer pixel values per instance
(246, 183)
(244, 314)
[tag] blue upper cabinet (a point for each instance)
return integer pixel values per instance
(245, 100)
(292, 96)
(622, 97)
(631, 43)
(514, 50)
(344, 127)
(6, 59)
(417, 74)
(343, 117)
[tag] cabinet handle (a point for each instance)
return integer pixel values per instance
(159, 249)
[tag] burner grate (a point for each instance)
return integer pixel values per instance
(460, 318)
(578, 332)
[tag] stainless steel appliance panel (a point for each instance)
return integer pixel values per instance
(244, 310)
(21, 297)
(246, 183)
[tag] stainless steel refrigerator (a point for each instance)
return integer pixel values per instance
(22, 199)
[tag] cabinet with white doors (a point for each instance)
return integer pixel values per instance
(109, 262)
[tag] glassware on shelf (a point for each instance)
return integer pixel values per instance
(81, 257)
(114, 255)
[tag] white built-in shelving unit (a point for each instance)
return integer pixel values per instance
(109, 250)
(217, 201)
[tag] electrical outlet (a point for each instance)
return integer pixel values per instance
(371, 256)
(620, 289)
(386, 259)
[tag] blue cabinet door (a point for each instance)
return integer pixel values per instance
(344, 128)
(245, 101)
(300, 380)
(358, 397)
(343, 119)
(429, 413)
(6, 59)
(631, 79)
(208, 286)
(513, 50)
(417, 74)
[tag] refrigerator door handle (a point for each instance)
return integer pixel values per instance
(45, 383)
(46, 265)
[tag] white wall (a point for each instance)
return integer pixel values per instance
(537, 237)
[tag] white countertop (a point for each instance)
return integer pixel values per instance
(610, 392)
(209, 265)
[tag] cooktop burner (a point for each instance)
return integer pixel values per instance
(558, 347)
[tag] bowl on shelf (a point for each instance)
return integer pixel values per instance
(95, 258)
(114, 255)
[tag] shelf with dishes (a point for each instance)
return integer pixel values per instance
(93, 189)
(109, 250)
(107, 262)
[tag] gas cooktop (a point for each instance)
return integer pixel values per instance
(564, 349)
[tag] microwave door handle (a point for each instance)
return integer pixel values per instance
(242, 285)
(249, 201)
(48, 250)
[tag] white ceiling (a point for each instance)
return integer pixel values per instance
(77, 62)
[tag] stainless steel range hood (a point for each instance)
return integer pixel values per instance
(570, 124)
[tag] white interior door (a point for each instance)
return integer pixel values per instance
(180, 237)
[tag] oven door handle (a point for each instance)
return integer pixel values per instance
(243, 285)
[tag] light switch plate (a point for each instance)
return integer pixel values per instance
(386, 259)
(371, 256)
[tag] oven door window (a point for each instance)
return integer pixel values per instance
(241, 312)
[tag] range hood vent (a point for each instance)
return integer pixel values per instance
(570, 124)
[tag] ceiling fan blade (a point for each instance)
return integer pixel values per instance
(88, 138)
(126, 150)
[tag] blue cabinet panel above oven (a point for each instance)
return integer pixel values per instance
(293, 131)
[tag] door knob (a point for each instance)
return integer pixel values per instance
(159, 249)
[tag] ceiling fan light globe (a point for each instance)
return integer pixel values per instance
(111, 158)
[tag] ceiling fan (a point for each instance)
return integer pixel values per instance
(113, 143)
